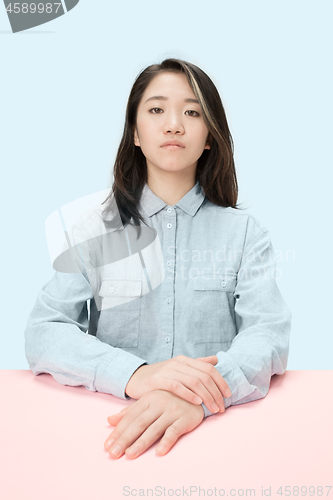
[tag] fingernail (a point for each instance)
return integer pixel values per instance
(160, 449)
(197, 400)
(215, 408)
(109, 443)
(228, 393)
(133, 451)
(116, 450)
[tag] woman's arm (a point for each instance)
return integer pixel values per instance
(260, 348)
(56, 338)
(56, 341)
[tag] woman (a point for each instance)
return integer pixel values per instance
(213, 331)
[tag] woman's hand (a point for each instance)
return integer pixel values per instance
(193, 380)
(158, 413)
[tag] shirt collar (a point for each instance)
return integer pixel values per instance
(150, 203)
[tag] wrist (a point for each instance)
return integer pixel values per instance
(129, 389)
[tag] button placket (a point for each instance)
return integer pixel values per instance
(169, 222)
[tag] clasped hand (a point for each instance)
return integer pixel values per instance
(194, 380)
(169, 396)
(155, 414)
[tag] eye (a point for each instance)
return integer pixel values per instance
(192, 111)
(151, 110)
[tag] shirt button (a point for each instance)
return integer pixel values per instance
(167, 339)
(168, 301)
(169, 210)
(223, 283)
(169, 262)
(111, 289)
(169, 225)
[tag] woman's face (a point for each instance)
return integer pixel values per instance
(169, 111)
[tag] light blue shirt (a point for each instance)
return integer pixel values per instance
(219, 296)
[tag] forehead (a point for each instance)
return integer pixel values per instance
(169, 84)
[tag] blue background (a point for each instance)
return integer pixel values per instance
(64, 87)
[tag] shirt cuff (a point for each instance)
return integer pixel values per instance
(208, 413)
(114, 377)
(234, 377)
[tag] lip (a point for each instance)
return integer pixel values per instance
(172, 143)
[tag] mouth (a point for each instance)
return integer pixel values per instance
(172, 147)
(173, 144)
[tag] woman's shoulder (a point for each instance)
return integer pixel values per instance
(90, 223)
(237, 220)
(90, 217)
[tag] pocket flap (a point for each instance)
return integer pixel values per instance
(120, 288)
(223, 283)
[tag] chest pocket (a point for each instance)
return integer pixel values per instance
(120, 312)
(213, 318)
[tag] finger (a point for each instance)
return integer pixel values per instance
(194, 383)
(115, 419)
(220, 382)
(202, 364)
(172, 434)
(124, 438)
(209, 359)
(122, 413)
(120, 425)
(179, 388)
(155, 430)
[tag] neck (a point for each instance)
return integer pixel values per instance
(171, 188)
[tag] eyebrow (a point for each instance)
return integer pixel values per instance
(163, 98)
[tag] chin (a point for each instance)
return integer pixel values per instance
(172, 167)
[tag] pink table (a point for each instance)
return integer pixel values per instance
(51, 442)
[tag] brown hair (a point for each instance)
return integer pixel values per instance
(215, 168)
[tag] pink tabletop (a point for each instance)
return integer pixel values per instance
(52, 445)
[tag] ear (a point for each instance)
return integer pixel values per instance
(208, 142)
(136, 137)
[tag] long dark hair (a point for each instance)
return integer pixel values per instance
(215, 168)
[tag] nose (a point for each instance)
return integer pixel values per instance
(173, 124)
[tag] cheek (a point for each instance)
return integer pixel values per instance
(200, 142)
(146, 129)
(150, 139)
(200, 133)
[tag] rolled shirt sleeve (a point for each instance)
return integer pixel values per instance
(260, 348)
